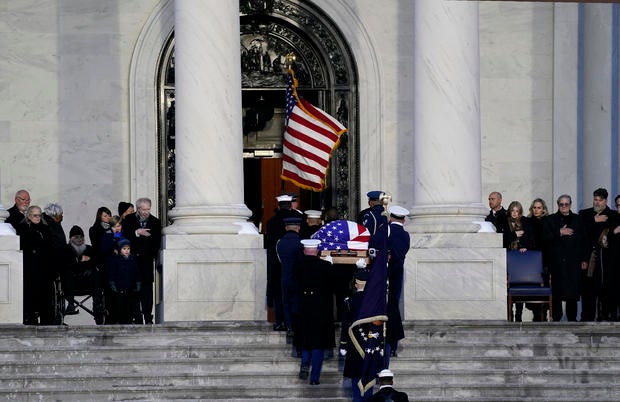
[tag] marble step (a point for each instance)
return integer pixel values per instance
(160, 377)
(332, 392)
(288, 364)
(255, 393)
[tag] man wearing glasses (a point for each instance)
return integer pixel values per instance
(18, 210)
(565, 234)
(597, 289)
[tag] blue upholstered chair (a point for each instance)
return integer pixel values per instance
(525, 279)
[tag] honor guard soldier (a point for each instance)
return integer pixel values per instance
(313, 223)
(398, 243)
(290, 253)
(275, 231)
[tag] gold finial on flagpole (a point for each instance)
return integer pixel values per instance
(290, 59)
(385, 199)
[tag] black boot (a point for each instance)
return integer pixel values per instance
(71, 308)
(304, 372)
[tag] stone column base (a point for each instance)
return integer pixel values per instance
(208, 277)
(11, 280)
(455, 276)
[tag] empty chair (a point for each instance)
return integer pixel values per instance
(525, 280)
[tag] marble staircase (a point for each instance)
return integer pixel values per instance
(247, 361)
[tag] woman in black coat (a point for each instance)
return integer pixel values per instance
(96, 232)
(538, 212)
(36, 244)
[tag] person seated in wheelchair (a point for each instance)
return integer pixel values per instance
(124, 282)
(81, 273)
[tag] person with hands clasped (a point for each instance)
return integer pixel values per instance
(124, 282)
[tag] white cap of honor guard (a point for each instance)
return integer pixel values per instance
(285, 198)
(398, 212)
(385, 373)
(313, 214)
(311, 243)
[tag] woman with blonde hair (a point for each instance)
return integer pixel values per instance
(519, 236)
(538, 213)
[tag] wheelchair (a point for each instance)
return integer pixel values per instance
(85, 288)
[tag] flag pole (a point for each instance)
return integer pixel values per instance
(290, 59)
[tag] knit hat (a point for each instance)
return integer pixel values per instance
(76, 231)
(122, 243)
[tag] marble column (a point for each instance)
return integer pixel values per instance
(453, 272)
(11, 273)
(597, 101)
(213, 260)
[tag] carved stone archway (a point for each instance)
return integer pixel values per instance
(145, 91)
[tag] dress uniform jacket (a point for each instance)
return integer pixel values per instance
(399, 243)
(389, 394)
(290, 253)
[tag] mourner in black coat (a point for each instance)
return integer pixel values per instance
(315, 329)
(565, 235)
(124, 282)
(17, 213)
(81, 272)
(596, 286)
(497, 215)
(35, 243)
(143, 230)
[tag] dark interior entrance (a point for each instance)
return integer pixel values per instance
(262, 184)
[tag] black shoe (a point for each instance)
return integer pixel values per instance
(315, 382)
(279, 327)
(393, 353)
(71, 310)
(304, 372)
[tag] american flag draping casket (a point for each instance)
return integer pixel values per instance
(345, 241)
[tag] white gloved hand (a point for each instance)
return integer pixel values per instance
(343, 352)
(360, 263)
(329, 259)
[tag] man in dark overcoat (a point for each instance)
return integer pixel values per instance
(143, 230)
(17, 212)
(565, 235)
(596, 286)
(613, 238)
(315, 330)
(399, 244)
(497, 214)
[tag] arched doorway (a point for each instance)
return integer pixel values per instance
(327, 78)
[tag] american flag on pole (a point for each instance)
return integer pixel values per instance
(310, 137)
(342, 235)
